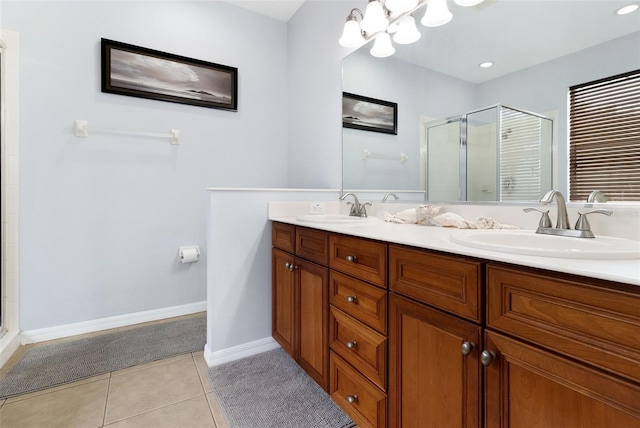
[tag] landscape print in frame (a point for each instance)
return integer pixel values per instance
(147, 73)
(369, 114)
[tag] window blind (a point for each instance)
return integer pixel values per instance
(604, 138)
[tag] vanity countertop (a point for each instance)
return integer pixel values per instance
(437, 238)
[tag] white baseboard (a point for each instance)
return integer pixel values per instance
(8, 345)
(241, 351)
(57, 332)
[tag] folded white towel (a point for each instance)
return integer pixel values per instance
(430, 215)
(403, 217)
(421, 215)
(489, 223)
(453, 220)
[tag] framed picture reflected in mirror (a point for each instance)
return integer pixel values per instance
(369, 114)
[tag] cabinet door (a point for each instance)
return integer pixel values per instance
(528, 387)
(313, 287)
(284, 302)
(431, 382)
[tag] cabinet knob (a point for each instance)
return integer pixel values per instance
(351, 258)
(352, 398)
(352, 344)
(352, 299)
(289, 266)
(468, 347)
(486, 357)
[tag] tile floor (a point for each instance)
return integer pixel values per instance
(172, 393)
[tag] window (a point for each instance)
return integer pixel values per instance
(604, 138)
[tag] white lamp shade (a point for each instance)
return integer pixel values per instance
(351, 35)
(467, 3)
(437, 14)
(392, 28)
(374, 18)
(407, 33)
(400, 6)
(382, 47)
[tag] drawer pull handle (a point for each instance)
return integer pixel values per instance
(351, 259)
(468, 347)
(352, 398)
(352, 299)
(289, 266)
(486, 357)
(352, 344)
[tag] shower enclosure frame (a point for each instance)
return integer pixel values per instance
(463, 145)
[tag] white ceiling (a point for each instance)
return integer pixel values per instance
(515, 34)
(282, 10)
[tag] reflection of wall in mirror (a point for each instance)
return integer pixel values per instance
(385, 79)
(542, 88)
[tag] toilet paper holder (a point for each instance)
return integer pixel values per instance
(190, 254)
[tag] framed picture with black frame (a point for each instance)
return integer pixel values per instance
(147, 73)
(369, 114)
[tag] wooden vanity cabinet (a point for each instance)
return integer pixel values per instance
(358, 328)
(434, 365)
(561, 351)
(407, 337)
(528, 386)
(300, 297)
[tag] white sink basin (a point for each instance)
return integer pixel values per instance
(527, 242)
(335, 219)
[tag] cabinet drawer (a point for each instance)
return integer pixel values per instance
(587, 320)
(361, 258)
(449, 283)
(312, 245)
(359, 299)
(363, 347)
(283, 236)
(369, 405)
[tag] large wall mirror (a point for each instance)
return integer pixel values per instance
(466, 133)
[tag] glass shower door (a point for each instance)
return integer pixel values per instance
(444, 147)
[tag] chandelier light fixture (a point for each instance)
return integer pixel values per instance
(437, 14)
(384, 17)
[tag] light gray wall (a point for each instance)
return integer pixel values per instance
(239, 281)
(101, 218)
(315, 82)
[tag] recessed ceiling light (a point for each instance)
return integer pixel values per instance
(486, 64)
(624, 10)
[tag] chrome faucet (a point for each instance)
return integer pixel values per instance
(582, 229)
(596, 196)
(357, 209)
(387, 197)
(562, 220)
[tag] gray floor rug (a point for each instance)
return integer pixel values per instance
(271, 390)
(51, 365)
